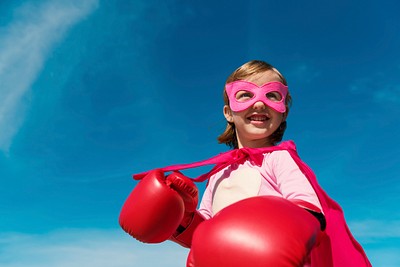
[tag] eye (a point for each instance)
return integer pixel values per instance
(274, 96)
(244, 95)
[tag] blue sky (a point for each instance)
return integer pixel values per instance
(92, 91)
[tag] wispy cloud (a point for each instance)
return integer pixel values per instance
(384, 257)
(380, 239)
(304, 72)
(374, 229)
(105, 248)
(86, 247)
(382, 89)
(25, 44)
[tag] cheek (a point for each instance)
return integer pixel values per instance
(238, 116)
(277, 116)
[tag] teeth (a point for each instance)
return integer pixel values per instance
(258, 118)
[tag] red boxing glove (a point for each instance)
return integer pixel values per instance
(158, 206)
(153, 210)
(259, 231)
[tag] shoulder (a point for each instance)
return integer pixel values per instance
(283, 155)
(286, 145)
(282, 150)
(277, 157)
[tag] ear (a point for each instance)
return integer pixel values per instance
(228, 113)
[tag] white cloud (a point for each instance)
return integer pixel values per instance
(370, 230)
(113, 247)
(303, 72)
(86, 247)
(388, 95)
(382, 89)
(380, 239)
(384, 257)
(25, 43)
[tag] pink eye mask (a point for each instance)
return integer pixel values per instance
(254, 93)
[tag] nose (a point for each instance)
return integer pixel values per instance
(259, 105)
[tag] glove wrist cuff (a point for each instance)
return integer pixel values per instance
(183, 235)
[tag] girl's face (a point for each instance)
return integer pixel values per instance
(255, 124)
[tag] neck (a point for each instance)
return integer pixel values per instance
(258, 143)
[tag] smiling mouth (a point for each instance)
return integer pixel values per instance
(260, 118)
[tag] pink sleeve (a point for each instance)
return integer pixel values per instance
(291, 181)
(205, 208)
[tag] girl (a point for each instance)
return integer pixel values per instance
(257, 103)
(257, 170)
(256, 106)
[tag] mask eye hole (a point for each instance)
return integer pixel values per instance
(243, 96)
(274, 96)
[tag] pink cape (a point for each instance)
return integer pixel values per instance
(338, 247)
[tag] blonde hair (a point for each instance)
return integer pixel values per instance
(248, 69)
